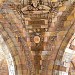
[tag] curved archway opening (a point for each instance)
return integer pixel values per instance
(7, 57)
(3, 64)
(67, 63)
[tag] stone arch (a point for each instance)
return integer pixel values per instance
(12, 49)
(8, 57)
(15, 49)
(50, 60)
(23, 58)
(65, 41)
(62, 47)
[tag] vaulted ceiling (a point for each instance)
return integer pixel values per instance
(37, 33)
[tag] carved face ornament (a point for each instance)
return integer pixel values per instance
(35, 3)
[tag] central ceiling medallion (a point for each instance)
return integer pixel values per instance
(36, 39)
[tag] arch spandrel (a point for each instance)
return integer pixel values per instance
(14, 49)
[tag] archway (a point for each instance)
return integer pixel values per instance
(64, 66)
(4, 49)
(3, 64)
